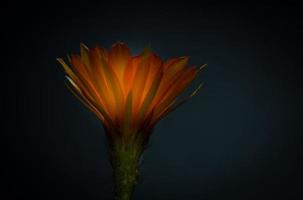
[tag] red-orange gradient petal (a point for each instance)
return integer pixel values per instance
(174, 91)
(118, 59)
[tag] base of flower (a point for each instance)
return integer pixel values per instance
(124, 158)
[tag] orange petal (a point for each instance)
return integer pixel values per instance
(152, 91)
(165, 87)
(77, 78)
(67, 69)
(93, 106)
(118, 59)
(115, 86)
(179, 86)
(139, 84)
(79, 66)
(103, 52)
(79, 95)
(173, 69)
(129, 73)
(174, 106)
(155, 63)
(175, 65)
(128, 113)
(84, 54)
(105, 93)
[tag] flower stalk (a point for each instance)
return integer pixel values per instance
(124, 158)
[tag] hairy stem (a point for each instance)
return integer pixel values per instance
(124, 157)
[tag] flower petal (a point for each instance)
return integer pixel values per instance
(150, 95)
(90, 104)
(128, 114)
(174, 106)
(172, 66)
(139, 84)
(172, 72)
(118, 59)
(105, 92)
(115, 86)
(129, 73)
(180, 85)
(84, 55)
(77, 78)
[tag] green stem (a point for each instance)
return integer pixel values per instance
(124, 158)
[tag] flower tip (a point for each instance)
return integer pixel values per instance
(60, 60)
(196, 90)
(201, 67)
(184, 58)
(119, 43)
(83, 45)
(147, 50)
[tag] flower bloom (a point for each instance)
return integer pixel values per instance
(129, 94)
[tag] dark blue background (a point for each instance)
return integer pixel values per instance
(237, 139)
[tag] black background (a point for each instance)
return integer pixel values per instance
(237, 139)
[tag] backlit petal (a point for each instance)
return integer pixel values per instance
(118, 59)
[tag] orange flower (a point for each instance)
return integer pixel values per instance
(127, 93)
